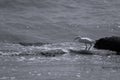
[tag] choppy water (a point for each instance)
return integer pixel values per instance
(54, 21)
(68, 66)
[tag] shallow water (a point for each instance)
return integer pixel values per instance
(69, 66)
(66, 67)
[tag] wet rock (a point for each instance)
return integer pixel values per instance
(32, 44)
(84, 52)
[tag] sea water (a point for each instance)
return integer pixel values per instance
(68, 66)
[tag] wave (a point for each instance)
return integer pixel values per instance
(55, 49)
(48, 50)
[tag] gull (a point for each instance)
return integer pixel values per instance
(87, 41)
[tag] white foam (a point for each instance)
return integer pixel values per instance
(31, 59)
(21, 59)
(118, 26)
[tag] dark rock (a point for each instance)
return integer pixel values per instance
(108, 43)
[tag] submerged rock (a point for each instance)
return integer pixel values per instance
(85, 52)
(52, 53)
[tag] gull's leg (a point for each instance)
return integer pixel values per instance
(90, 47)
(85, 46)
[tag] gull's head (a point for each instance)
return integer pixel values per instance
(77, 38)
